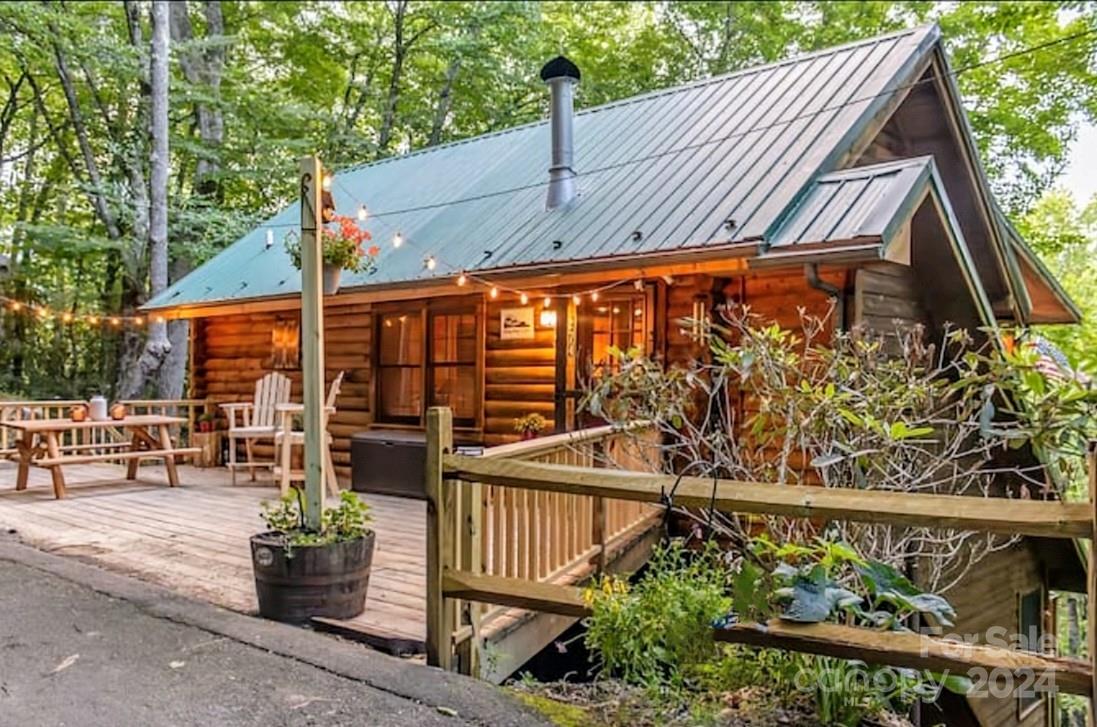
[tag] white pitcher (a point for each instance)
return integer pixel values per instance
(97, 408)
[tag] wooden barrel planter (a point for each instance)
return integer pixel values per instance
(317, 580)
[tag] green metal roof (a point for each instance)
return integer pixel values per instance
(708, 163)
(864, 202)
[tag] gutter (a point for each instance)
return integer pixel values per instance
(811, 275)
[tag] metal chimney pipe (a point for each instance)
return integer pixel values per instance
(561, 75)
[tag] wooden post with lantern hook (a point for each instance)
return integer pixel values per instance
(312, 336)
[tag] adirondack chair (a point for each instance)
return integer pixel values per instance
(287, 438)
(258, 420)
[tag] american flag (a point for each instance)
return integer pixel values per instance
(1052, 363)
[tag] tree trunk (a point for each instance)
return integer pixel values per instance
(445, 102)
(399, 50)
(157, 344)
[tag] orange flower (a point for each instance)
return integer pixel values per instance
(374, 251)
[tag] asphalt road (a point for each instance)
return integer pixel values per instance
(72, 653)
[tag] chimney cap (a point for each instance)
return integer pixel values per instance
(559, 67)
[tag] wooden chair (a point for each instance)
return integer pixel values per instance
(259, 420)
(287, 438)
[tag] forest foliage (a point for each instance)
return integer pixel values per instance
(254, 85)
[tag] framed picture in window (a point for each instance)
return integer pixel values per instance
(516, 323)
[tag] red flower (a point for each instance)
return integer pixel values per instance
(374, 251)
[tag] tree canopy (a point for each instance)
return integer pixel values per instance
(254, 85)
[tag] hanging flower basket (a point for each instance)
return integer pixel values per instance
(343, 248)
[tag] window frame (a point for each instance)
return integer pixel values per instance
(427, 311)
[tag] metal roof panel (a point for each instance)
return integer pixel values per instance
(674, 164)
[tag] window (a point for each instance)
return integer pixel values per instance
(452, 371)
(428, 355)
(1031, 628)
(399, 367)
(285, 343)
(619, 322)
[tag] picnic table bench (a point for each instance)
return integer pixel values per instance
(40, 445)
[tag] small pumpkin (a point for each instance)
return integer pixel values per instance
(79, 413)
(118, 412)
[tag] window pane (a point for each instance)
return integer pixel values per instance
(455, 387)
(400, 394)
(401, 339)
(453, 338)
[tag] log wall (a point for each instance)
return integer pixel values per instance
(233, 352)
(519, 376)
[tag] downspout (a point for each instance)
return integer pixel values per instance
(811, 275)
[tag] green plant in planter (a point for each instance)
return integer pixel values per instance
(343, 242)
(348, 521)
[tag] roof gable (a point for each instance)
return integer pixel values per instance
(708, 163)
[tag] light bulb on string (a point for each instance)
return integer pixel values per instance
(462, 279)
(115, 322)
(594, 296)
(92, 320)
(638, 284)
(397, 240)
(270, 237)
(363, 213)
(429, 262)
(523, 298)
(158, 319)
(43, 312)
(138, 320)
(548, 302)
(494, 292)
(576, 299)
(326, 182)
(66, 317)
(16, 305)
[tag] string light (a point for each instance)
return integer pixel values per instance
(576, 299)
(115, 322)
(93, 320)
(16, 305)
(66, 317)
(430, 261)
(327, 181)
(138, 320)
(43, 313)
(158, 319)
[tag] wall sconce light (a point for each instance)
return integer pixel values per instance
(548, 318)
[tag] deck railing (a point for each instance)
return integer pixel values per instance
(502, 531)
(544, 536)
(93, 439)
(453, 583)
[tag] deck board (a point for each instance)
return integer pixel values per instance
(193, 539)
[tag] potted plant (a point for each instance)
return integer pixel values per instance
(530, 425)
(342, 241)
(300, 573)
(205, 423)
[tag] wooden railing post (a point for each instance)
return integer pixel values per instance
(470, 549)
(1091, 579)
(441, 616)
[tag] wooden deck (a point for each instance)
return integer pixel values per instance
(193, 539)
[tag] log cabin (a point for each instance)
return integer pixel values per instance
(847, 177)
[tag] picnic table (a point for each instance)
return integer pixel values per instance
(40, 444)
